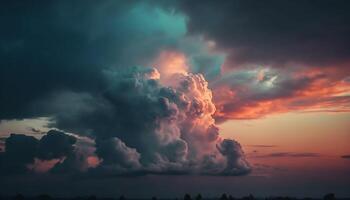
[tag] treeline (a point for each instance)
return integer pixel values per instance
(329, 196)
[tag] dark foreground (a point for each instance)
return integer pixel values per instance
(329, 196)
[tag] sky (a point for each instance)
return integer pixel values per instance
(163, 98)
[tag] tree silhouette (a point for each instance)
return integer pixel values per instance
(44, 197)
(224, 197)
(187, 197)
(230, 197)
(250, 197)
(122, 197)
(92, 197)
(329, 196)
(19, 197)
(199, 197)
(154, 198)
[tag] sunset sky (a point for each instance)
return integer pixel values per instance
(144, 98)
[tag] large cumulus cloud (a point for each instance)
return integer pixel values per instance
(140, 125)
(137, 125)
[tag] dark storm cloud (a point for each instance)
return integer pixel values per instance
(55, 144)
(274, 31)
(50, 45)
(22, 150)
(115, 151)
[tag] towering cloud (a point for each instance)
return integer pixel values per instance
(143, 126)
(138, 126)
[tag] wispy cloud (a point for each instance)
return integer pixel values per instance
(262, 146)
(251, 94)
(290, 154)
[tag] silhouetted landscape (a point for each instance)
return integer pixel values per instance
(329, 196)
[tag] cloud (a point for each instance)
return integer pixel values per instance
(263, 146)
(35, 131)
(115, 152)
(72, 63)
(138, 126)
(345, 156)
(55, 144)
(79, 75)
(272, 62)
(235, 157)
(20, 150)
(73, 44)
(290, 154)
(274, 32)
(141, 125)
(63, 45)
(23, 153)
(102, 36)
(2, 144)
(254, 93)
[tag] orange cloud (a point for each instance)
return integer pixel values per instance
(263, 91)
(43, 166)
(169, 63)
(325, 91)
